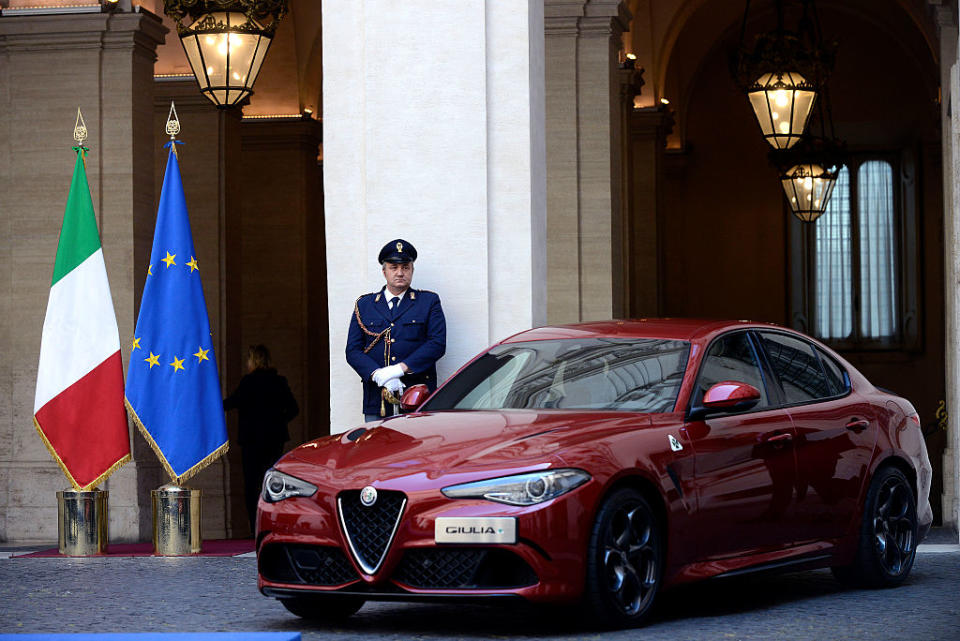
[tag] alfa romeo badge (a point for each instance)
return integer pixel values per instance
(368, 495)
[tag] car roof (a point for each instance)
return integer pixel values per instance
(687, 329)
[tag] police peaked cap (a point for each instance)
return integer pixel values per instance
(397, 251)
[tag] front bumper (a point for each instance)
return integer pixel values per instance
(302, 549)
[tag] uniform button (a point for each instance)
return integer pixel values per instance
(391, 324)
(393, 358)
(393, 340)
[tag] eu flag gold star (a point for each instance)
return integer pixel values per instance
(136, 343)
(177, 364)
(153, 359)
(150, 270)
(193, 265)
(169, 259)
(201, 355)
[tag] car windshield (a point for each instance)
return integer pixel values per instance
(632, 375)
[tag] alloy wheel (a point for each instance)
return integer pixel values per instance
(631, 559)
(893, 526)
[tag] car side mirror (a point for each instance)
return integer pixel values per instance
(414, 397)
(727, 396)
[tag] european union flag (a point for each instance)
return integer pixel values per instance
(173, 389)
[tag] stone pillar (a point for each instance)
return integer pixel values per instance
(950, 81)
(584, 156)
(433, 132)
(649, 128)
(950, 126)
(210, 165)
(49, 66)
(283, 302)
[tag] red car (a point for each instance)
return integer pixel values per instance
(597, 464)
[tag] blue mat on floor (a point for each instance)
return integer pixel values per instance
(159, 636)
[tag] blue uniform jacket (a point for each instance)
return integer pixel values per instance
(418, 335)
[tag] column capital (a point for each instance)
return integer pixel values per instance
(183, 91)
(651, 122)
(305, 134)
(82, 31)
(631, 82)
(570, 17)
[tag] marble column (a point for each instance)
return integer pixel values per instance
(585, 209)
(49, 66)
(950, 146)
(951, 168)
(433, 132)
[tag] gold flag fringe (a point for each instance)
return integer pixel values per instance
(210, 458)
(81, 488)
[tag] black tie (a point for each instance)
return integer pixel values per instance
(394, 303)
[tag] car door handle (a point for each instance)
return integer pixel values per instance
(779, 438)
(857, 424)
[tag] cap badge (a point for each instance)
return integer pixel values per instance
(368, 495)
(399, 246)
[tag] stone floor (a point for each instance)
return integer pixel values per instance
(219, 594)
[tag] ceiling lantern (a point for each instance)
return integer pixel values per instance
(782, 102)
(808, 188)
(783, 74)
(226, 43)
(784, 77)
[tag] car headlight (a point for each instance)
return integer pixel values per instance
(522, 489)
(278, 486)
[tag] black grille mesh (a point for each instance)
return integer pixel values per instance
(463, 568)
(308, 564)
(369, 528)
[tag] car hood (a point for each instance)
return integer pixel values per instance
(454, 444)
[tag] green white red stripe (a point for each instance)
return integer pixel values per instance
(78, 407)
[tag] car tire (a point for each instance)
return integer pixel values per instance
(888, 534)
(624, 562)
(327, 608)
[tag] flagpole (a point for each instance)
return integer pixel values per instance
(173, 388)
(64, 416)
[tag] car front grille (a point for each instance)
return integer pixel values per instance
(370, 530)
(306, 564)
(463, 568)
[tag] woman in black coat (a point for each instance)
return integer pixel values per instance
(266, 405)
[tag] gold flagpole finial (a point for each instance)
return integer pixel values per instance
(80, 129)
(173, 123)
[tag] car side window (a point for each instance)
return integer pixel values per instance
(730, 358)
(797, 367)
(836, 376)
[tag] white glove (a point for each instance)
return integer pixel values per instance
(395, 385)
(384, 374)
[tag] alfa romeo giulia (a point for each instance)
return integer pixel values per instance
(597, 464)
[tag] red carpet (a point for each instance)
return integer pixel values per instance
(221, 547)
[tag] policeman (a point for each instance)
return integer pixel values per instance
(396, 335)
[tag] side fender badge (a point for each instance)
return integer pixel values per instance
(674, 443)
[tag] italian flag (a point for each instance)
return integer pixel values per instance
(78, 408)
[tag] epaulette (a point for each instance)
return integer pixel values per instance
(376, 300)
